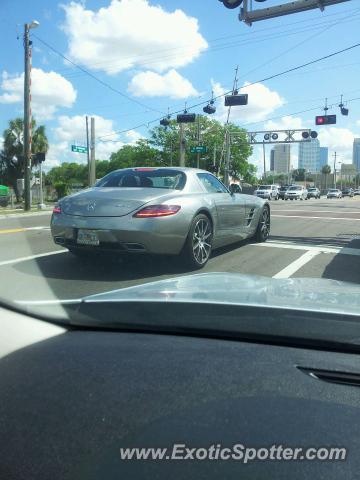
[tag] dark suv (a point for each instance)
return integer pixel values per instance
(282, 191)
(347, 192)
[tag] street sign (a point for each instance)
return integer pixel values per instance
(199, 149)
(78, 149)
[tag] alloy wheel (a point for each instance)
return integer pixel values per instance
(201, 241)
(265, 224)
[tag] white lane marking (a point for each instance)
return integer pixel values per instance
(23, 215)
(314, 248)
(30, 257)
(312, 211)
(296, 265)
(310, 248)
(321, 218)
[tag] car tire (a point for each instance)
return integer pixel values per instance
(201, 229)
(263, 228)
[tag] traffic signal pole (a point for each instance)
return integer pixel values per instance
(27, 118)
(198, 142)
(88, 148)
(182, 146)
(92, 156)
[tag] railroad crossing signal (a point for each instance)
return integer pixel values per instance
(78, 149)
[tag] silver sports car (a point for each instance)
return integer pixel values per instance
(168, 211)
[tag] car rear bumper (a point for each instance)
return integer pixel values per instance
(164, 235)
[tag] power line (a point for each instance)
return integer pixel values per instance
(270, 77)
(105, 84)
(148, 61)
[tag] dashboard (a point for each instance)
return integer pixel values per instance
(72, 398)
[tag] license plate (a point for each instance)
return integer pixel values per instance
(88, 237)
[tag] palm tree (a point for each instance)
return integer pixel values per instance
(12, 157)
(326, 170)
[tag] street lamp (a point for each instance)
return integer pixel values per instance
(27, 112)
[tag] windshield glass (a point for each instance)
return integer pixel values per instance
(152, 140)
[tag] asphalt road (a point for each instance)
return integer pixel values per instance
(314, 238)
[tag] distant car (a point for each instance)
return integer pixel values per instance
(357, 191)
(334, 193)
(235, 188)
(313, 192)
(270, 192)
(282, 190)
(296, 192)
(347, 192)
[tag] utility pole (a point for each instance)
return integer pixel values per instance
(198, 142)
(264, 160)
(92, 147)
(41, 204)
(27, 112)
(214, 158)
(88, 148)
(335, 170)
(227, 160)
(27, 119)
(182, 146)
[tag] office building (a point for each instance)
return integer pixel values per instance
(324, 157)
(309, 155)
(356, 154)
(272, 155)
(282, 158)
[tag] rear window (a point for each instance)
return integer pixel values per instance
(264, 187)
(144, 178)
(294, 188)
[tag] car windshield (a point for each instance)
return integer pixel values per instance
(144, 178)
(179, 141)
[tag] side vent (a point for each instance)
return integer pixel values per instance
(250, 216)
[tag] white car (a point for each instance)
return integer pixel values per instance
(270, 192)
(334, 193)
(296, 192)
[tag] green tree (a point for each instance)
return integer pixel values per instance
(12, 157)
(167, 140)
(326, 170)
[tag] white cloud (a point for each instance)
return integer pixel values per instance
(284, 123)
(262, 102)
(131, 33)
(72, 130)
(50, 91)
(151, 84)
(339, 140)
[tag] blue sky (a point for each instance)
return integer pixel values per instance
(178, 51)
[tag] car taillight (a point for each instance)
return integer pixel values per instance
(57, 209)
(157, 211)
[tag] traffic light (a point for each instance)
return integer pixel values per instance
(231, 3)
(210, 108)
(235, 100)
(40, 157)
(165, 122)
(325, 119)
(186, 118)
